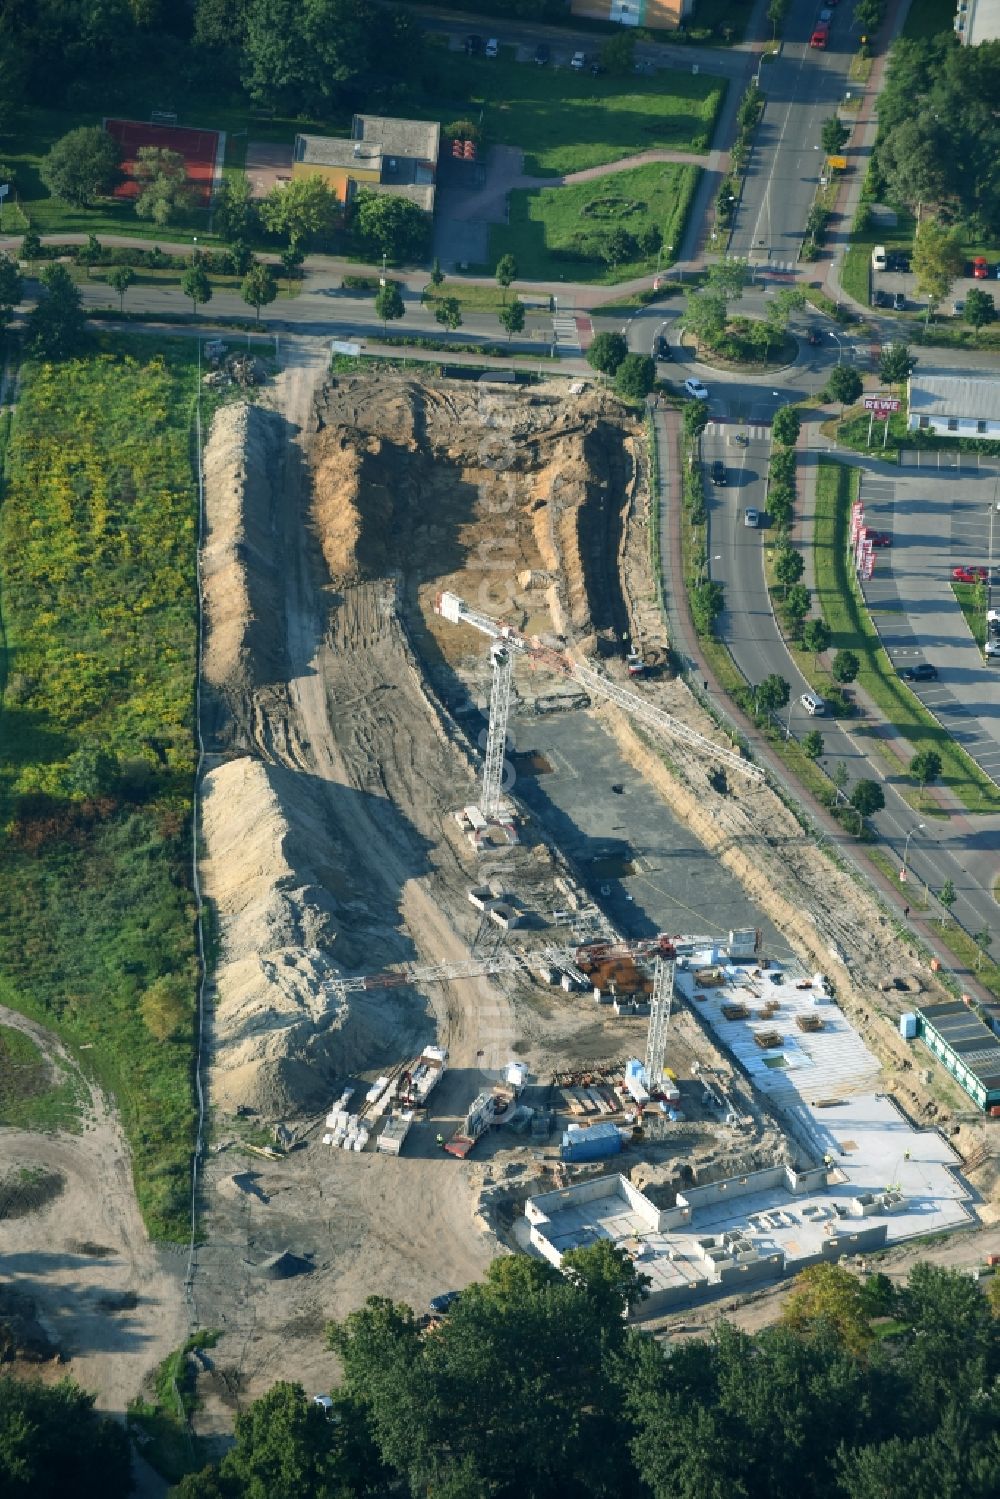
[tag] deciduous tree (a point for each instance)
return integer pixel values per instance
(980, 308)
(896, 364)
(196, 286)
(845, 666)
(816, 635)
(82, 166)
(844, 385)
(788, 566)
(448, 312)
(606, 352)
(56, 325)
(867, 797)
(829, 1297)
(304, 210)
(834, 135)
(635, 377)
(812, 744)
(300, 54)
(259, 287)
(925, 767)
(511, 317)
(165, 191)
(389, 304)
(506, 272)
(385, 225)
(11, 288)
(938, 257)
(786, 425)
(235, 213)
(772, 694)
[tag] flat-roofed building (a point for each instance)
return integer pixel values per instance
(381, 155)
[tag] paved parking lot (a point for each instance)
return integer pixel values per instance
(939, 520)
(891, 282)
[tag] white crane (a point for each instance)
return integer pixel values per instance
(663, 951)
(432, 973)
(508, 641)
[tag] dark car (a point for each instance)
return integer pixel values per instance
(922, 672)
(880, 299)
(596, 70)
(473, 44)
(661, 348)
(439, 1305)
(896, 260)
(542, 54)
(878, 538)
(814, 337)
(899, 302)
(718, 473)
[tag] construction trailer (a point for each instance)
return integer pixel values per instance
(967, 1047)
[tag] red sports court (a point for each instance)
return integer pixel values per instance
(199, 148)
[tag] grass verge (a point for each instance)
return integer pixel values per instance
(561, 231)
(34, 1094)
(952, 936)
(973, 607)
(855, 274)
(168, 1443)
(97, 531)
(844, 610)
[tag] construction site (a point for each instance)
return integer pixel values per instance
(514, 948)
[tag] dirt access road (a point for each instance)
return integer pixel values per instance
(107, 1298)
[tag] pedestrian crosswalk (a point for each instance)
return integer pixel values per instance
(732, 434)
(566, 334)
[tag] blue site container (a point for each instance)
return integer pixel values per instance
(594, 1144)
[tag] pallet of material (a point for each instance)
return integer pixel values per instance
(767, 1040)
(809, 1022)
(708, 978)
(599, 1102)
(572, 1103)
(735, 1012)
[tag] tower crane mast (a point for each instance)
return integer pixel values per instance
(455, 609)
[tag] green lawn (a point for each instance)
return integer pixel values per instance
(566, 121)
(33, 1093)
(97, 533)
(843, 608)
(556, 231)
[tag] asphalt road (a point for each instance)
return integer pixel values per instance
(802, 87)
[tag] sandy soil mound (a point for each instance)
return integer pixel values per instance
(241, 579)
(281, 1032)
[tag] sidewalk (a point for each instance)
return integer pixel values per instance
(701, 679)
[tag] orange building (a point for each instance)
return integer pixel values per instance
(381, 155)
(667, 15)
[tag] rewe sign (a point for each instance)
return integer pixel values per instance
(882, 405)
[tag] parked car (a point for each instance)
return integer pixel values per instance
(992, 648)
(814, 337)
(826, 16)
(719, 474)
(899, 302)
(578, 61)
(493, 47)
(897, 260)
(970, 574)
(661, 348)
(980, 268)
(958, 307)
(878, 538)
(596, 70)
(696, 389)
(473, 44)
(751, 517)
(542, 54)
(880, 299)
(922, 672)
(820, 37)
(439, 1305)
(813, 704)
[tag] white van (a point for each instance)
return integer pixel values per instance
(878, 258)
(813, 704)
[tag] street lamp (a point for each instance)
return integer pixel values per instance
(840, 346)
(906, 848)
(381, 279)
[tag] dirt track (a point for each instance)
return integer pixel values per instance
(107, 1298)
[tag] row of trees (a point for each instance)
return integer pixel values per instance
(536, 1387)
(304, 56)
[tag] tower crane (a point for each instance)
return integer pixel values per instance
(663, 952)
(432, 973)
(508, 643)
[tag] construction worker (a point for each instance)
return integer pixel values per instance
(440, 1141)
